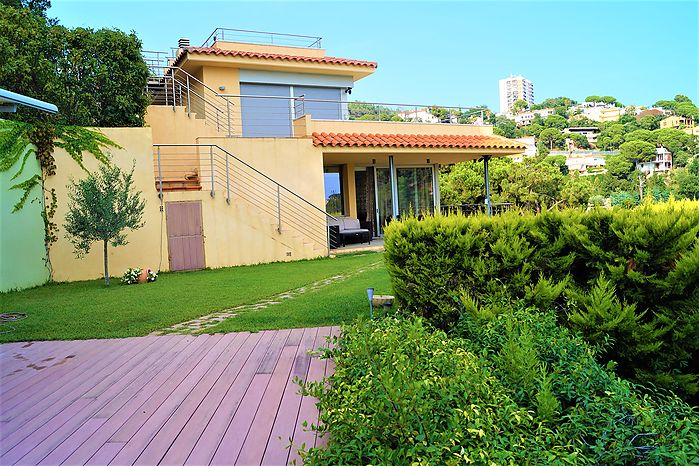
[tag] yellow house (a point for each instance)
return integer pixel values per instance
(676, 121)
(256, 149)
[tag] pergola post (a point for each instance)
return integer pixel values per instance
(435, 184)
(486, 159)
(394, 187)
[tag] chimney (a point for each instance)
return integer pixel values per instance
(183, 42)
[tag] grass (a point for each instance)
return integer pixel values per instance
(330, 305)
(81, 310)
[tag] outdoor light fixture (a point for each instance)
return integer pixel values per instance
(370, 295)
(373, 161)
(428, 160)
(221, 88)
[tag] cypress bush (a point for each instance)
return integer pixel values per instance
(627, 279)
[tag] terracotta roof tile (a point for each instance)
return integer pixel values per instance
(276, 56)
(414, 140)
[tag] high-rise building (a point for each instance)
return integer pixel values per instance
(513, 89)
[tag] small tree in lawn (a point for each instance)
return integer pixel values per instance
(101, 207)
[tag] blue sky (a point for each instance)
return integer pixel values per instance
(453, 53)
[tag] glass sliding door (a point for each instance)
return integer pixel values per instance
(384, 198)
(415, 190)
(415, 193)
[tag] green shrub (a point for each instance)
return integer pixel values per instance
(517, 389)
(645, 309)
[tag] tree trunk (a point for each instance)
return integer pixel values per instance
(106, 266)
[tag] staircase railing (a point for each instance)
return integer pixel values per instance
(172, 86)
(212, 168)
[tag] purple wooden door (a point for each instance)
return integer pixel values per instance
(185, 235)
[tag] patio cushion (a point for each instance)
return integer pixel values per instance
(350, 224)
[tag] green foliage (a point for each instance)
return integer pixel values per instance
(95, 77)
(649, 257)
(556, 121)
(507, 128)
(519, 106)
(555, 102)
(637, 151)
(552, 137)
(606, 99)
(511, 389)
(611, 137)
(102, 206)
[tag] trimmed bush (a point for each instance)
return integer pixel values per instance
(628, 279)
(517, 389)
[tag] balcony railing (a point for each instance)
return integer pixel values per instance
(261, 37)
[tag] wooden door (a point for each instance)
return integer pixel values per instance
(185, 235)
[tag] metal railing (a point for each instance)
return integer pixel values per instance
(261, 37)
(474, 209)
(172, 86)
(210, 167)
(272, 116)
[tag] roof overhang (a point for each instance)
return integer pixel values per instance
(191, 60)
(9, 101)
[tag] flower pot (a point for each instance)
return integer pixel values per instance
(143, 276)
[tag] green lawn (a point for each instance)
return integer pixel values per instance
(83, 310)
(331, 305)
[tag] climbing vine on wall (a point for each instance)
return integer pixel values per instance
(19, 141)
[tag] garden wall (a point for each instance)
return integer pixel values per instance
(144, 248)
(22, 251)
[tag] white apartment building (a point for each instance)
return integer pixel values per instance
(526, 118)
(661, 163)
(513, 89)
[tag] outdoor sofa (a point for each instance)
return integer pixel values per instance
(347, 230)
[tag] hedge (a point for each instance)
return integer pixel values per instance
(514, 388)
(627, 279)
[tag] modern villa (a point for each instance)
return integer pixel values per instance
(252, 150)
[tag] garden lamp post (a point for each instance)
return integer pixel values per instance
(370, 295)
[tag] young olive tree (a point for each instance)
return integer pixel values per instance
(101, 207)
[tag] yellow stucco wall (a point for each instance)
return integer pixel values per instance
(235, 234)
(143, 249)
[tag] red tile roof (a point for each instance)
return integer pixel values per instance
(277, 56)
(414, 140)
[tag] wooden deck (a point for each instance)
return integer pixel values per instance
(210, 399)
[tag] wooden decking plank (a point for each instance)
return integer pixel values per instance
(87, 359)
(233, 439)
(253, 448)
(94, 363)
(269, 360)
(104, 455)
(308, 412)
(67, 361)
(139, 439)
(208, 442)
(192, 430)
(19, 450)
(161, 385)
(114, 403)
(165, 400)
(167, 434)
(295, 337)
(276, 451)
(118, 384)
(36, 413)
(15, 364)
